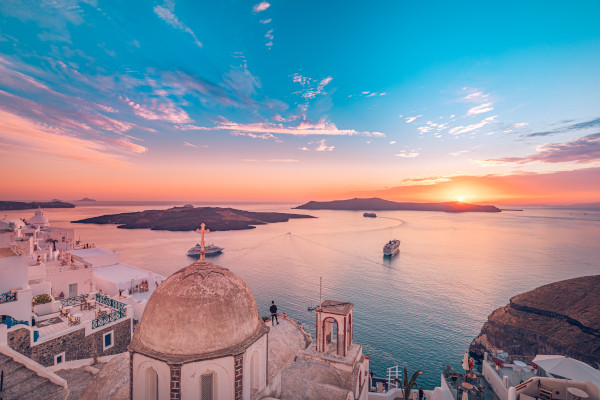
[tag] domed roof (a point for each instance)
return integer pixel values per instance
(200, 309)
(39, 219)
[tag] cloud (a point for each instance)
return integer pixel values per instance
(319, 145)
(21, 135)
(476, 97)
(283, 160)
(393, 142)
(188, 144)
(583, 150)
(266, 21)
(311, 87)
(480, 109)
(458, 153)
(164, 111)
(270, 37)
(407, 154)
(262, 6)
(166, 13)
(263, 136)
(431, 126)
(411, 119)
(304, 128)
(572, 127)
(469, 128)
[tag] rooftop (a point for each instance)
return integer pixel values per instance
(336, 307)
(92, 252)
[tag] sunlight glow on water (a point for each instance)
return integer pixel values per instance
(421, 309)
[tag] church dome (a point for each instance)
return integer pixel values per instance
(199, 310)
(39, 219)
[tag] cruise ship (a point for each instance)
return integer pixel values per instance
(370, 215)
(210, 250)
(391, 248)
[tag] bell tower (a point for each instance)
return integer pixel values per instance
(334, 327)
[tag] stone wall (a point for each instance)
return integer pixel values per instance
(75, 344)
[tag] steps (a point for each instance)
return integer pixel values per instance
(24, 384)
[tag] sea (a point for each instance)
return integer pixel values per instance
(420, 309)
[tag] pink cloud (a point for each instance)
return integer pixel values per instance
(304, 128)
(165, 111)
(262, 6)
(21, 135)
(581, 150)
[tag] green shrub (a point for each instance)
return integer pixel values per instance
(42, 299)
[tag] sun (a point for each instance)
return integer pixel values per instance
(461, 198)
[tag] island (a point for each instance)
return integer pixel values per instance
(559, 318)
(86, 199)
(23, 205)
(377, 204)
(189, 218)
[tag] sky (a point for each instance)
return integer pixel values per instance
(483, 102)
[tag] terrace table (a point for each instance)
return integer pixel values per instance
(467, 385)
(91, 303)
(577, 393)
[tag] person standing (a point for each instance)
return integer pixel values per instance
(273, 310)
(421, 393)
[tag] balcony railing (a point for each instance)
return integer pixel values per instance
(8, 297)
(112, 303)
(73, 301)
(107, 319)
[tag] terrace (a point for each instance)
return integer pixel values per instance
(91, 312)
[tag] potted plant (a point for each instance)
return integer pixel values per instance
(42, 304)
(407, 384)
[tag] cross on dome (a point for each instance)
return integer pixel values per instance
(202, 231)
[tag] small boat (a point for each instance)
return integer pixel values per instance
(312, 308)
(391, 248)
(370, 215)
(210, 250)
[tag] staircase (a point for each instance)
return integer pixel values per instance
(24, 384)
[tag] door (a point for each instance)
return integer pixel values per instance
(72, 290)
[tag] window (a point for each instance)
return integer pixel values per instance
(207, 386)
(107, 340)
(59, 358)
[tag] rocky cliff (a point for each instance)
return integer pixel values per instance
(559, 318)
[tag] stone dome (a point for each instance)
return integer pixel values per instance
(39, 219)
(201, 309)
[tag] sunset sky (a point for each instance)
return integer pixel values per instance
(491, 101)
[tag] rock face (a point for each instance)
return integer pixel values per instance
(22, 205)
(377, 204)
(189, 218)
(560, 318)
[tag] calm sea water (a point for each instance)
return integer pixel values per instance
(420, 309)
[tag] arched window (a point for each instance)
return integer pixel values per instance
(207, 386)
(151, 384)
(254, 371)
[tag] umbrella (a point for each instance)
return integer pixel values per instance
(465, 363)
(568, 368)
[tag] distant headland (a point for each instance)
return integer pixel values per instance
(188, 218)
(86, 199)
(23, 205)
(377, 204)
(559, 318)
